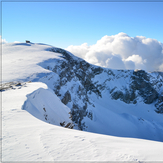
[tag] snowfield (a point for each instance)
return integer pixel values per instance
(20, 61)
(32, 115)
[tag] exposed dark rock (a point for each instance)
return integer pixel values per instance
(127, 97)
(159, 104)
(18, 84)
(66, 98)
(110, 72)
(78, 113)
(68, 125)
(97, 70)
(71, 68)
(84, 65)
(62, 123)
(12, 85)
(44, 109)
(141, 83)
(117, 95)
(90, 115)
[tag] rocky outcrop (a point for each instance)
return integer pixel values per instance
(66, 98)
(79, 70)
(127, 97)
(76, 68)
(141, 82)
(67, 125)
(77, 80)
(140, 86)
(159, 104)
(12, 85)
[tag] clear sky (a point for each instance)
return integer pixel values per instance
(72, 23)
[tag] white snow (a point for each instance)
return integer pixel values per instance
(29, 135)
(26, 138)
(20, 61)
(46, 106)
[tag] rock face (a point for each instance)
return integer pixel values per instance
(66, 98)
(141, 82)
(80, 72)
(75, 80)
(159, 104)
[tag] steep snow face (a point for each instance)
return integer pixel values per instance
(95, 99)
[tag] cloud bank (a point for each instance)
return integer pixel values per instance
(123, 52)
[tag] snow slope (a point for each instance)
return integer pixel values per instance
(51, 107)
(32, 114)
(26, 138)
(20, 61)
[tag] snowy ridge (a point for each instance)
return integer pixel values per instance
(66, 91)
(112, 102)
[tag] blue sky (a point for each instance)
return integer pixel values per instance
(72, 23)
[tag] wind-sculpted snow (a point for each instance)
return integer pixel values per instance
(49, 109)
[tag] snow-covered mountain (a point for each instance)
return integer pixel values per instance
(64, 90)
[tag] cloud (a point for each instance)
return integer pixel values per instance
(129, 65)
(2, 41)
(123, 52)
(115, 62)
(80, 51)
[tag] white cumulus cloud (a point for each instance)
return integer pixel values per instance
(2, 41)
(123, 52)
